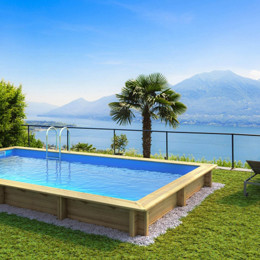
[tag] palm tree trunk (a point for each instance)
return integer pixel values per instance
(147, 135)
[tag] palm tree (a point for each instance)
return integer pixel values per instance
(151, 96)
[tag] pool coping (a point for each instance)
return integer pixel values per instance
(143, 204)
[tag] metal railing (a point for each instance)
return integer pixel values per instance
(232, 135)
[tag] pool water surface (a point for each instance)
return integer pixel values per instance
(119, 182)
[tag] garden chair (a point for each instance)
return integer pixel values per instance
(255, 166)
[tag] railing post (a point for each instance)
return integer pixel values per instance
(67, 139)
(167, 155)
(232, 144)
(114, 144)
(28, 129)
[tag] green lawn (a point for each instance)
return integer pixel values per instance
(225, 225)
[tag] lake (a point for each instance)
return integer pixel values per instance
(199, 146)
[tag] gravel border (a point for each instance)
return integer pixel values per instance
(170, 220)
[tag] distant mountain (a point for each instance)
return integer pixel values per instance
(217, 97)
(222, 96)
(35, 108)
(82, 108)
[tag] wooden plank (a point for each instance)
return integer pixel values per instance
(30, 197)
(208, 179)
(194, 187)
(30, 200)
(2, 194)
(162, 208)
(101, 213)
(181, 198)
(99, 222)
(77, 205)
(34, 203)
(61, 208)
(142, 223)
(139, 223)
(32, 207)
(146, 223)
(17, 194)
(159, 195)
(74, 194)
(132, 223)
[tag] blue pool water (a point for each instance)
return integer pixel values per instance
(112, 177)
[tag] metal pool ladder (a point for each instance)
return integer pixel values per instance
(47, 143)
(68, 141)
(56, 131)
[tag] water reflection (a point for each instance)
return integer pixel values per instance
(58, 172)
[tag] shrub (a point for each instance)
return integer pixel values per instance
(120, 142)
(23, 141)
(83, 147)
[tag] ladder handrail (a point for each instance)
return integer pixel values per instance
(65, 127)
(47, 135)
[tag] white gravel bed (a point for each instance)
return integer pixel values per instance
(170, 220)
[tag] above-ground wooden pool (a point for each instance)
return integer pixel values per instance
(124, 193)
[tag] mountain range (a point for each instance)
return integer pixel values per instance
(221, 97)
(82, 108)
(217, 97)
(35, 108)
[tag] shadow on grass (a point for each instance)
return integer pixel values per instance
(90, 241)
(239, 199)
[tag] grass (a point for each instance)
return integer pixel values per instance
(225, 225)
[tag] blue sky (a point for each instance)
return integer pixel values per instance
(60, 50)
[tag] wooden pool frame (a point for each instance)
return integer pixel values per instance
(133, 217)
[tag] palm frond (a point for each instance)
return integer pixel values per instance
(163, 101)
(166, 115)
(157, 82)
(169, 95)
(121, 113)
(178, 108)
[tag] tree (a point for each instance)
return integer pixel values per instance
(151, 96)
(23, 140)
(12, 114)
(120, 142)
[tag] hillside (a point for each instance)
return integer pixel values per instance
(221, 97)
